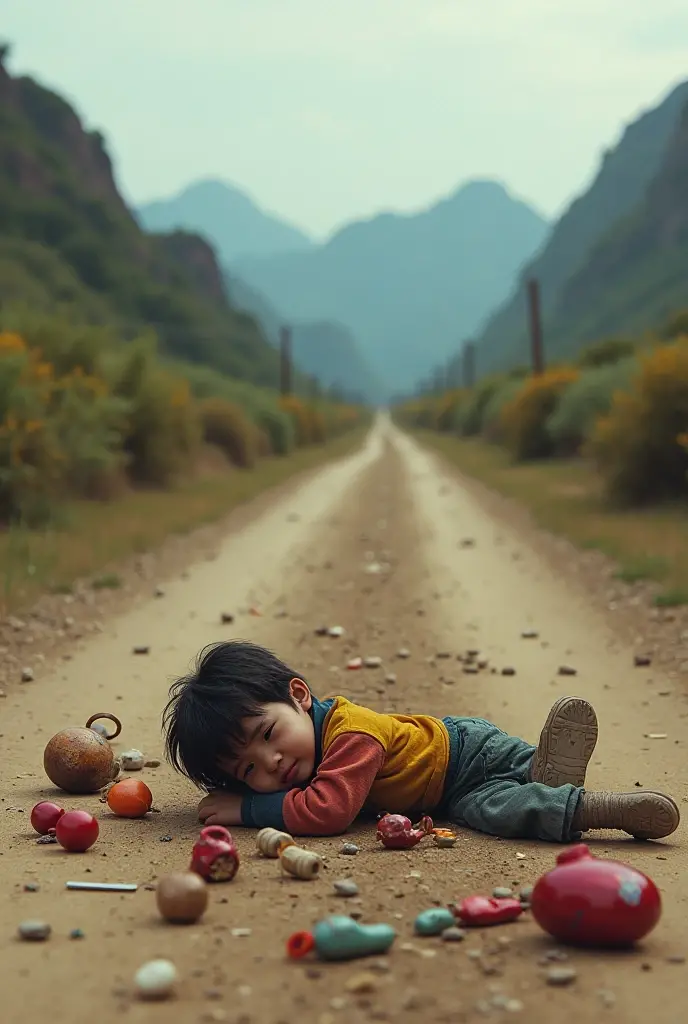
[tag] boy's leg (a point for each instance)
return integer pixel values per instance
(566, 744)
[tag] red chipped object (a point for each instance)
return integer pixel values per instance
(300, 944)
(215, 857)
(481, 911)
(396, 832)
(587, 901)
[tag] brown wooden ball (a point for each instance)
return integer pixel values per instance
(182, 897)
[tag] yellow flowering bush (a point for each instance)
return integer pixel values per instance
(523, 420)
(639, 446)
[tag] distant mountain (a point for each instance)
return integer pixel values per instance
(227, 216)
(619, 187)
(409, 286)
(326, 350)
(635, 277)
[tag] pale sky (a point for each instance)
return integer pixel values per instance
(328, 110)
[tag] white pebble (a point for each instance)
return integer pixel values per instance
(156, 979)
(132, 760)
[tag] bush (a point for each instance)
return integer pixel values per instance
(225, 425)
(278, 426)
(581, 405)
(523, 419)
(491, 420)
(639, 446)
(604, 353)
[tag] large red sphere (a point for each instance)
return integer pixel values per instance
(77, 831)
(587, 901)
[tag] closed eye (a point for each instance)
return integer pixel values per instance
(267, 733)
(248, 770)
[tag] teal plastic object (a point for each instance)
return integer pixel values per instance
(434, 921)
(341, 938)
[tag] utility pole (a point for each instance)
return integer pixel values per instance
(468, 370)
(285, 360)
(536, 348)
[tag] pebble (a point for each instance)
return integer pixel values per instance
(567, 670)
(132, 760)
(335, 631)
(453, 934)
(30, 887)
(34, 931)
(141, 649)
(561, 975)
(345, 887)
(502, 892)
(159, 592)
(151, 764)
(403, 652)
(354, 663)
(101, 729)
(508, 671)
(348, 849)
(526, 893)
(27, 675)
(530, 634)
(642, 660)
(363, 982)
(226, 617)
(156, 979)
(434, 921)
(241, 933)
(76, 933)
(373, 661)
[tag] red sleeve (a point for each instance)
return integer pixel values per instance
(330, 803)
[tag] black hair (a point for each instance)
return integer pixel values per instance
(232, 680)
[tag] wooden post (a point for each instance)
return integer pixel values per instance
(285, 360)
(468, 373)
(536, 348)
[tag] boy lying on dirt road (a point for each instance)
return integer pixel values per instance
(248, 729)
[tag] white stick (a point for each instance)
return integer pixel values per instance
(103, 886)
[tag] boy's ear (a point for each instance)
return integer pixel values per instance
(300, 693)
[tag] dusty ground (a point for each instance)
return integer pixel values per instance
(300, 560)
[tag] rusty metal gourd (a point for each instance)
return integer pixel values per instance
(82, 760)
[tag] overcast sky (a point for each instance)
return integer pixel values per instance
(326, 110)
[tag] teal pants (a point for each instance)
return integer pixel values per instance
(489, 787)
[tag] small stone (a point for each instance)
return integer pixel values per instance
(241, 933)
(27, 675)
(345, 887)
(642, 660)
(46, 840)
(131, 760)
(159, 592)
(226, 618)
(444, 842)
(607, 998)
(467, 542)
(151, 764)
(520, 856)
(655, 735)
(390, 678)
(156, 979)
(676, 958)
(561, 975)
(567, 670)
(443, 654)
(508, 671)
(30, 887)
(354, 663)
(34, 931)
(502, 892)
(99, 728)
(453, 934)
(76, 933)
(142, 649)
(348, 849)
(403, 652)
(529, 634)
(338, 1003)
(361, 983)
(335, 631)
(372, 662)
(526, 893)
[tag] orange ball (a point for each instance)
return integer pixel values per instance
(130, 798)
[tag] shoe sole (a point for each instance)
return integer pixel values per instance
(648, 815)
(566, 744)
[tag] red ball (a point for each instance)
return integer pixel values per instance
(45, 816)
(77, 831)
(586, 901)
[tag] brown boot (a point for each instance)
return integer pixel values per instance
(566, 744)
(642, 815)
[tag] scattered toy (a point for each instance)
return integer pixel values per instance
(482, 911)
(270, 840)
(354, 663)
(345, 887)
(298, 862)
(396, 832)
(587, 901)
(156, 979)
(76, 831)
(215, 857)
(182, 897)
(130, 798)
(102, 886)
(341, 938)
(433, 921)
(81, 760)
(44, 816)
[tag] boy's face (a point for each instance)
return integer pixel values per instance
(278, 751)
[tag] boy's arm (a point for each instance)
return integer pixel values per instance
(331, 801)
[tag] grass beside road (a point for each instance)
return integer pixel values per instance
(565, 497)
(89, 536)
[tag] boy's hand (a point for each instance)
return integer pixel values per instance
(218, 808)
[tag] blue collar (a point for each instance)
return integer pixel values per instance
(318, 712)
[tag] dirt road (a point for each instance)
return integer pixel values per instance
(303, 562)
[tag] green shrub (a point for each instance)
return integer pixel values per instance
(225, 425)
(491, 426)
(581, 404)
